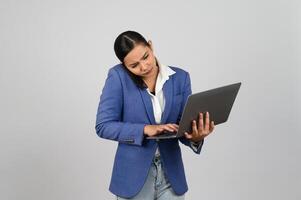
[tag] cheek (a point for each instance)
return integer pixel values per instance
(151, 61)
(136, 71)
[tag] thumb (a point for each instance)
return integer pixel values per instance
(187, 135)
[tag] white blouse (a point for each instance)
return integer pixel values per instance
(158, 100)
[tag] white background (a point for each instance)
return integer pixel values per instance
(54, 59)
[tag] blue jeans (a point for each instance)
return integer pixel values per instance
(156, 187)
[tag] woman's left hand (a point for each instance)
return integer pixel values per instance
(200, 132)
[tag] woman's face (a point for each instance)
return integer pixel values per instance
(141, 61)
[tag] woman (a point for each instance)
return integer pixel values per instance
(141, 98)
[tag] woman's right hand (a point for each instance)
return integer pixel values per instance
(152, 130)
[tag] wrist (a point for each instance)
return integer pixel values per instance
(146, 130)
(198, 141)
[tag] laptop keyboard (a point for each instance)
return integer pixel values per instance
(164, 134)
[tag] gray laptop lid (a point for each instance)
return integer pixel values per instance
(218, 102)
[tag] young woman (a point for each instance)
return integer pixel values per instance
(142, 97)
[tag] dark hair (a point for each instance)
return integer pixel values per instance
(123, 44)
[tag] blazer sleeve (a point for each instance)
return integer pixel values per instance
(109, 124)
(196, 147)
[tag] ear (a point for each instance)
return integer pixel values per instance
(151, 45)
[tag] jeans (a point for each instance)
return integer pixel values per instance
(156, 187)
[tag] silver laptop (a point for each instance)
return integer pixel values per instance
(218, 102)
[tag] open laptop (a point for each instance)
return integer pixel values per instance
(218, 102)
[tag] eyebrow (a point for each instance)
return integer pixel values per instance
(141, 58)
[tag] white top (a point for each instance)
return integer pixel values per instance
(158, 100)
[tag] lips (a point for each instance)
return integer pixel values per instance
(147, 72)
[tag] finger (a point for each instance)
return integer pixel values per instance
(194, 128)
(162, 128)
(172, 127)
(212, 126)
(187, 135)
(201, 122)
(207, 121)
(166, 127)
(176, 125)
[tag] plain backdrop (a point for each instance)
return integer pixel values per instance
(54, 59)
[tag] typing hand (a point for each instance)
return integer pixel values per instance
(152, 130)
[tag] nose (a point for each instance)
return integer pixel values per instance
(143, 66)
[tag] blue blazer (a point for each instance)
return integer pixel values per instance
(123, 111)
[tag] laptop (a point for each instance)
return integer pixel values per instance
(218, 102)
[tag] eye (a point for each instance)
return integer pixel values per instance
(146, 57)
(134, 66)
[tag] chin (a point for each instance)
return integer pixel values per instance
(145, 75)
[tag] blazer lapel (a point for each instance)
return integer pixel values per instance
(168, 94)
(148, 105)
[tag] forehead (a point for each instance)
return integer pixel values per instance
(136, 53)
